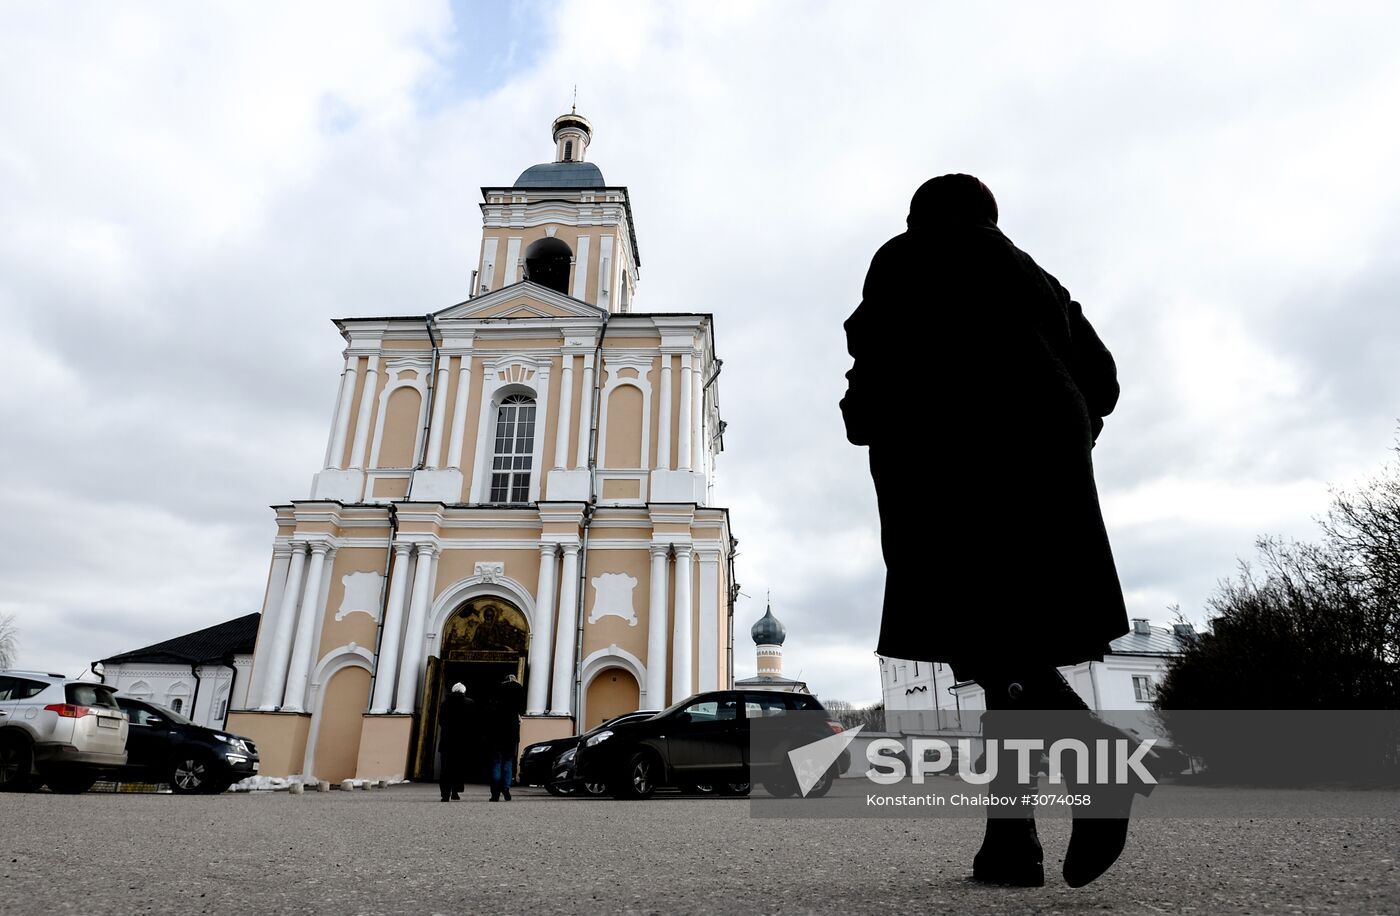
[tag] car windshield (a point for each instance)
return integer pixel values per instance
(171, 715)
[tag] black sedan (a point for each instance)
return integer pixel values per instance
(708, 740)
(565, 779)
(537, 761)
(164, 746)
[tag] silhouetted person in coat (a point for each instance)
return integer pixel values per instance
(454, 731)
(980, 388)
(503, 733)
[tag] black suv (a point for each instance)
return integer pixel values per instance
(706, 740)
(164, 746)
(538, 762)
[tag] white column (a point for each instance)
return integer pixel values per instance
(585, 413)
(340, 426)
(561, 699)
(566, 405)
(439, 418)
(357, 454)
(459, 412)
(581, 269)
(308, 628)
(272, 602)
(386, 666)
(285, 624)
(657, 628)
(682, 684)
(663, 441)
(707, 606)
(697, 413)
(410, 669)
(683, 447)
(542, 635)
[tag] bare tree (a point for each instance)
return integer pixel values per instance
(9, 640)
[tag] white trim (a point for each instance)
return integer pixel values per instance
(533, 380)
(451, 599)
(512, 274)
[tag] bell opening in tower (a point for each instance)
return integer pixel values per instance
(547, 263)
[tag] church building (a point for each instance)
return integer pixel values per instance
(516, 484)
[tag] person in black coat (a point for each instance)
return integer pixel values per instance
(503, 733)
(454, 729)
(980, 428)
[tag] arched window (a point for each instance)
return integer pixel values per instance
(547, 263)
(177, 704)
(515, 446)
(568, 151)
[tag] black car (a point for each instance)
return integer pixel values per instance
(537, 760)
(164, 746)
(565, 781)
(704, 741)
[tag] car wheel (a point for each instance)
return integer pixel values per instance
(193, 773)
(697, 789)
(558, 790)
(70, 783)
(734, 788)
(780, 789)
(639, 776)
(16, 764)
(822, 783)
(595, 788)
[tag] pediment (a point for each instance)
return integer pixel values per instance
(520, 300)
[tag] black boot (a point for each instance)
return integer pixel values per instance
(1100, 829)
(1011, 852)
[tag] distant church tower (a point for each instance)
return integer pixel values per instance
(516, 484)
(769, 634)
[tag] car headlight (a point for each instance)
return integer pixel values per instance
(599, 738)
(538, 749)
(223, 738)
(567, 757)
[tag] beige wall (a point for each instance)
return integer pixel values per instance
(611, 629)
(384, 747)
(279, 736)
(355, 627)
(624, 446)
(401, 426)
(612, 692)
(338, 729)
(570, 236)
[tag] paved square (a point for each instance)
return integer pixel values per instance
(400, 850)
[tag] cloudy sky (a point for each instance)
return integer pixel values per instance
(190, 193)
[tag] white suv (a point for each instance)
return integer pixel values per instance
(67, 733)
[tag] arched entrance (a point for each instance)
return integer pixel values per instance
(612, 692)
(484, 640)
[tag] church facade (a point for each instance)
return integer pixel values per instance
(517, 484)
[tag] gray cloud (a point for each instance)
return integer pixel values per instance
(190, 197)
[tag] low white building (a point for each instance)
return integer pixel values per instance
(1126, 679)
(201, 675)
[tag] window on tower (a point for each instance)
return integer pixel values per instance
(568, 151)
(547, 263)
(515, 446)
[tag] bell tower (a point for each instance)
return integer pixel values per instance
(562, 226)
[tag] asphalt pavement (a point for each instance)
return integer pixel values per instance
(399, 850)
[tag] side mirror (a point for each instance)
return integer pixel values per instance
(682, 718)
(154, 720)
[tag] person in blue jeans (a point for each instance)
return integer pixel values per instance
(503, 733)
